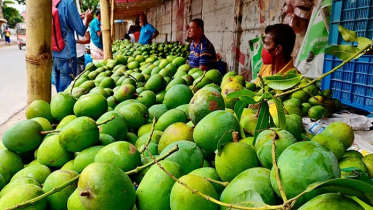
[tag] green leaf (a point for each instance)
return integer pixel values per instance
(363, 43)
(280, 113)
(221, 143)
(243, 92)
(347, 35)
(248, 100)
(361, 203)
(358, 174)
(283, 82)
(291, 72)
(343, 52)
(263, 120)
(238, 108)
(248, 198)
(344, 186)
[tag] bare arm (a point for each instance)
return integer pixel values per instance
(155, 34)
(86, 40)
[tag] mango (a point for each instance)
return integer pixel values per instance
(205, 101)
(175, 132)
(183, 199)
(85, 157)
(189, 156)
(39, 172)
(22, 193)
(58, 200)
(215, 128)
(254, 179)
(50, 153)
(79, 134)
(91, 105)
(302, 164)
(234, 158)
(154, 195)
(122, 154)
(23, 136)
(62, 105)
(105, 185)
(115, 127)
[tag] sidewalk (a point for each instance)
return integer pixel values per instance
(18, 116)
(13, 41)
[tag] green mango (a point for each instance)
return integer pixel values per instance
(23, 136)
(50, 153)
(121, 154)
(155, 195)
(79, 134)
(85, 157)
(39, 172)
(22, 193)
(170, 117)
(105, 185)
(59, 200)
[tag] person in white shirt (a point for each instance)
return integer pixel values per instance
(81, 43)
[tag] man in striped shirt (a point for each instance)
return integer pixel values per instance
(202, 52)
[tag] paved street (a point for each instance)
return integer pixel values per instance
(13, 80)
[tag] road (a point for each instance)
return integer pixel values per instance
(13, 81)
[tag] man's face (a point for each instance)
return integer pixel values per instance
(268, 43)
(98, 17)
(194, 31)
(142, 20)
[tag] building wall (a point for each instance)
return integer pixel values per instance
(229, 25)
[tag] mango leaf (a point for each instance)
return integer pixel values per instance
(238, 108)
(243, 92)
(350, 187)
(221, 143)
(291, 72)
(248, 198)
(281, 119)
(283, 82)
(343, 52)
(363, 43)
(248, 100)
(362, 203)
(347, 35)
(263, 120)
(358, 174)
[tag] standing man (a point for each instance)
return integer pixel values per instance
(64, 61)
(96, 46)
(202, 52)
(278, 45)
(148, 32)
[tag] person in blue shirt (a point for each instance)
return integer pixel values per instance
(96, 46)
(147, 32)
(64, 61)
(202, 52)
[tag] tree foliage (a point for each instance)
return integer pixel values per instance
(89, 4)
(12, 16)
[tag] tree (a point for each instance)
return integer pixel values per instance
(12, 16)
(89, 4)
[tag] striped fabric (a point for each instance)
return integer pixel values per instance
(96, 53)
(202, 54)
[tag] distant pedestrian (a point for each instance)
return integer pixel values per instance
(148, 32)
(7, 36)
(96, 46)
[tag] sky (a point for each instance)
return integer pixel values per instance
(19, 7)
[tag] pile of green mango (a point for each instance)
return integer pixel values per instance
(99, 134)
